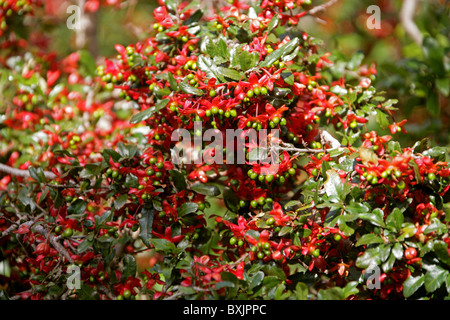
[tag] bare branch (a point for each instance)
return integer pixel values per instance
(322, 7)
(23, 173)
(407, 20)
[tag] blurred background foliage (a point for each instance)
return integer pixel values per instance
(416, 74)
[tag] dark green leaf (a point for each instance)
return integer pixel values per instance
(146, 223)
(435, 277)
(77, 207)
(120, 201)
(193, 18)
(178, 179)
(368, 238)
(147, 113)
(173, 83)
(187, 208)
(279, 53)
(163, 244)
(86, 244)
(273, 23)
(129, 266)
(412, 284)
(440, 249)
(395, 219)
(231, 199)
(206, 189)
(37, 174)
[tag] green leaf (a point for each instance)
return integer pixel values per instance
(147, 113)
(397, 251)
(120, 201)
(333, 185)
(187, 88)
(443, 85)
(37, 174)
(77, 207)
(440, 249)
(193, 18)
(129, 266)
(86, 244)
(370, 258)
(435, 226)
(273, 23)
(433, 103)
(25, 200)
(173, 83)
(368, 238)
(247, 60)
(178, 180)
(206, 189)
(435, 277)
(357, 208)
(382, 118)
(395, 219)
(288, 77)
(412, 284)
(163, 245)
(280, 52)
(256, 280)
(187, 208)
(434, 54)
(229, 73)
(301, 291)
(231, 199)
(146, 223)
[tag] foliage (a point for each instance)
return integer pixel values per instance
(98, 186)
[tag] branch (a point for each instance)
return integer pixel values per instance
(407, 20)
(322, 7)
(23, 173)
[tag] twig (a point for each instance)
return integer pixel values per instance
(407, 20)
(322, 7)
(23, 173)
